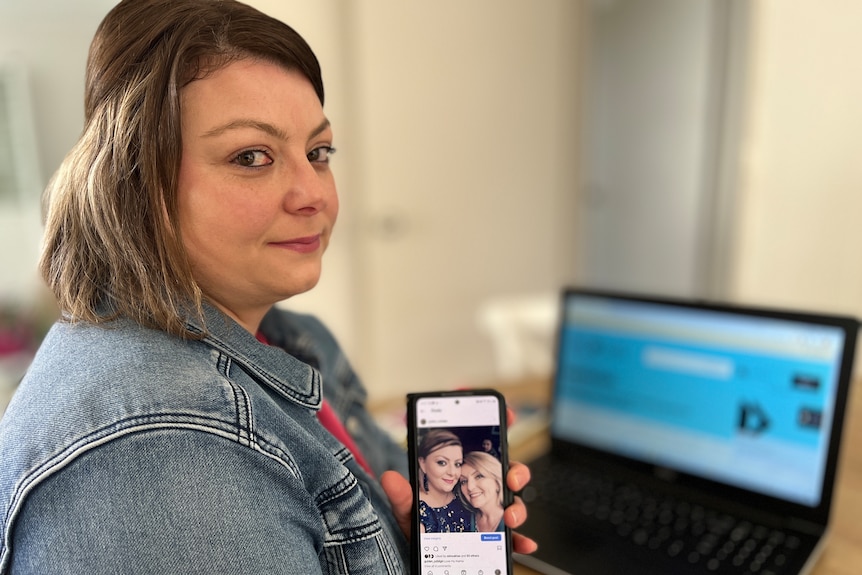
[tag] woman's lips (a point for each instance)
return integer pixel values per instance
(304, 245)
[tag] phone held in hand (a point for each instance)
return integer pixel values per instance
(458, 464)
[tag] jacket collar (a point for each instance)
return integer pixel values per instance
(272, 366)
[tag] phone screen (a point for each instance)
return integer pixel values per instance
(458, 452)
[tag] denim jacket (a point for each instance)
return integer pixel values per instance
(128, 450)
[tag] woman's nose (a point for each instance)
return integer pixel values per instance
(307, 190)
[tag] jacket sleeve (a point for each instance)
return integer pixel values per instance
(168, 501)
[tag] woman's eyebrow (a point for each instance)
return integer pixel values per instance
(265, 127)
(320, 129)
(240, 123)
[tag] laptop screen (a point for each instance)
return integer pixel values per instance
(742, 399)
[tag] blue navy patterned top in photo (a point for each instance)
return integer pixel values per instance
(453, 517)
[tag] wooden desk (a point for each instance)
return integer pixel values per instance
(843, 552)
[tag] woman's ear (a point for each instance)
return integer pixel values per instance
(421, 461)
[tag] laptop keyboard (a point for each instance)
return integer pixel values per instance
(707, 540)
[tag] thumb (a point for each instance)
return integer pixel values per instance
(400, 494)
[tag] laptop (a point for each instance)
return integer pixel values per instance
(688, 437)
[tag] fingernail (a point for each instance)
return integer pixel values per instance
(513, 516)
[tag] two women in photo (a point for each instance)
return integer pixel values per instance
(458, 491)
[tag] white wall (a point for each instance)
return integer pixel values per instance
(51, 50)
(798, 237)
(467, 119)
(795, 240)
(50, 38)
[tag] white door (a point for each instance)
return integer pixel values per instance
(658, 111)
(465, 153)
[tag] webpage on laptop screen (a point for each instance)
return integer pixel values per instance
(744, 400)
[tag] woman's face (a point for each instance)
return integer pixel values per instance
(257, 200)
(480, 488)
(443, 468)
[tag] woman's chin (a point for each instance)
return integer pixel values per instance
(300, 287)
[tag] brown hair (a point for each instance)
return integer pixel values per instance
(112, 240)
(436, 439)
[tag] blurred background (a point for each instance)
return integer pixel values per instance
(492, 151)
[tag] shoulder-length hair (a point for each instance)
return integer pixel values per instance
(487, 465)
(112, 240)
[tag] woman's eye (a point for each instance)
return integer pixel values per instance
(252, 159)
(321, 154)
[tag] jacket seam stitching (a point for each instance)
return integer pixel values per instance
(97, 438)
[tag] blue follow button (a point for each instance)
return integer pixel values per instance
(492, 536)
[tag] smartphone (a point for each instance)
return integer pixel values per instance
(458, 463)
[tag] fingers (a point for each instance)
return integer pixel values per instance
(516, 513)
(522, 544)
(400, 495)
(517, 479)
(510, 416)
(518, 476)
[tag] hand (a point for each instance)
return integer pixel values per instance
(516, 513)
(400, 495)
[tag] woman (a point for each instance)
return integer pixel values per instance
(175, 421)
(439, 456)
(488, 448)
(482, 490)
